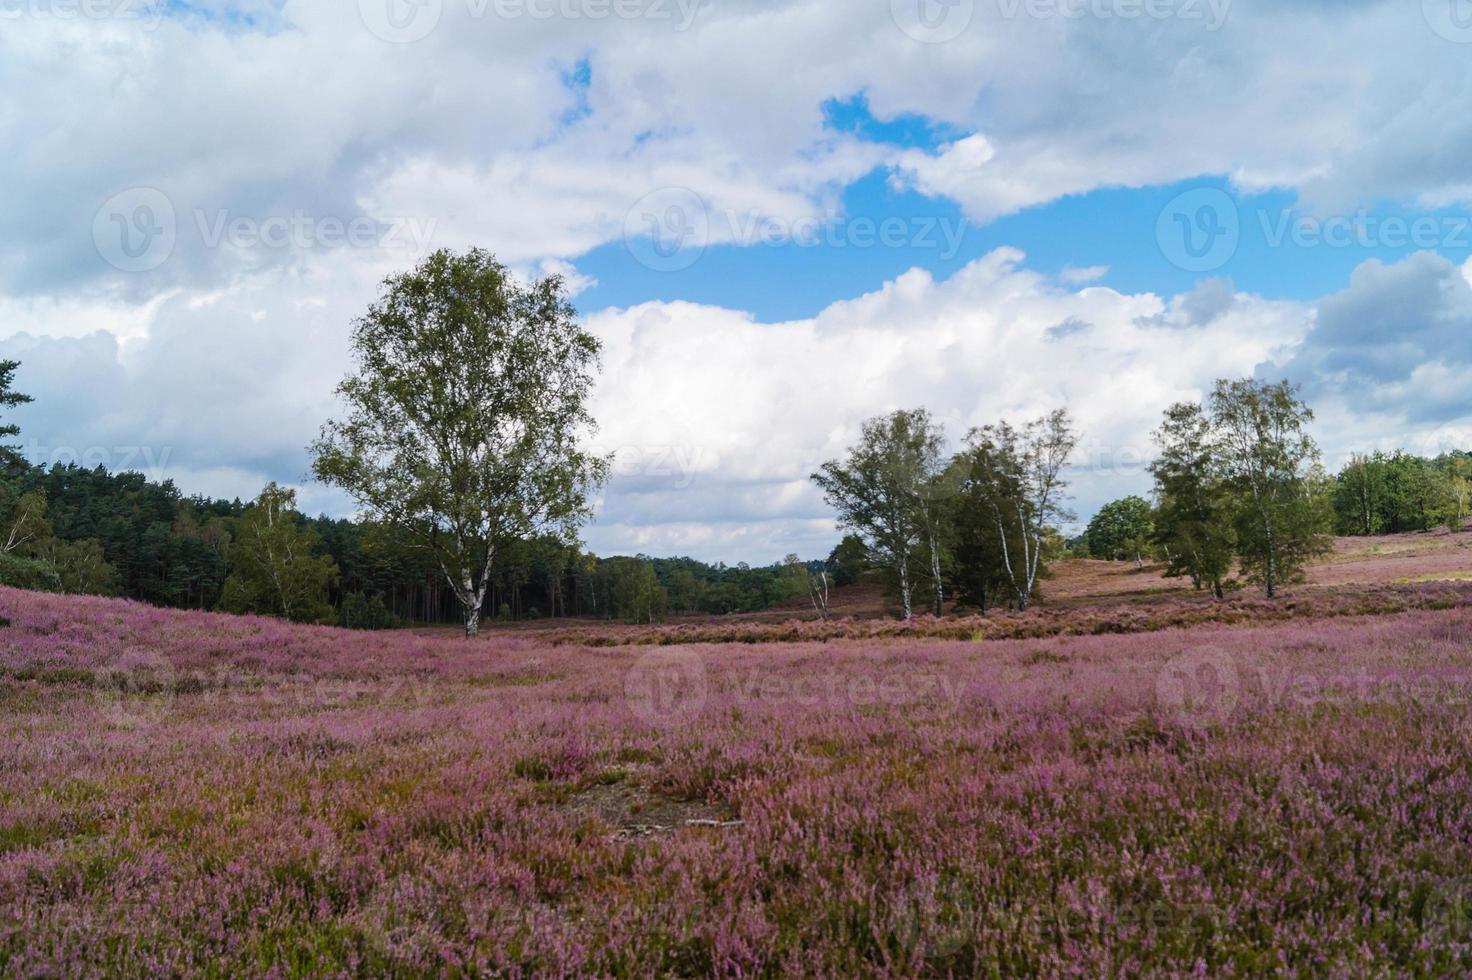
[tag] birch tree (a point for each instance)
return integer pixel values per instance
(880, 492)
(1195, 519)
(466, 419)
(1270, 460)
(274, 568)
(1020, 474)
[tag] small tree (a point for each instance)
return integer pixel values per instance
(814, 585)
(80, 567)
(273, 566)
(10, 456)
(849, 560)
(637, 594)
(1019, 475)
(25, 526)
(1122, 529)
(1194, 521)
(1270, 460)
(880, 491)
(982, 579)
(466, 416)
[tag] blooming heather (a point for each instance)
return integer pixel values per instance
(187, 793)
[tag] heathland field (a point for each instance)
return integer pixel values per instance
(1130, 778)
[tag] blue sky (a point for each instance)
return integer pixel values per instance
(1284, 251)
(1000, 210)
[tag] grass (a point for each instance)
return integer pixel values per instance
(1289, 794)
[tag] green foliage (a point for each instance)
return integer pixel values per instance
(10, 457)
(980, 573)
(164, 549)
(1122, 530)
(465, 415)
(1195, 522)
(1241, 477)
(366, 612)
(882, 493)
(273, 566)
(638, 596)
(1010, 495)
(1397, 492)
(848, 562)
(19, 572)
(80, 566)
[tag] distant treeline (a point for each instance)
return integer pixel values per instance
(89, 530)
(1195, 521)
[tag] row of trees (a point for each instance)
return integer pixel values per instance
(1239, 483)
(463, 444)
(979, 524)
(88, 531)
(1239, 490)
(1391, 493)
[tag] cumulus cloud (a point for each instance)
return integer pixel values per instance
(525, 125)
(757, 407)
(1398, 339)
(297, 155)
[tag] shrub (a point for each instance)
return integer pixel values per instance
(27, 573)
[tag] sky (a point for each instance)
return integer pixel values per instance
(780, 217)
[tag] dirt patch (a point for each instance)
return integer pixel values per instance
(634, 811)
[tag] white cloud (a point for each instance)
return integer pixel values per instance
(486, 131)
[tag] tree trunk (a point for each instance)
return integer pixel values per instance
(905, 585)
(472, 621)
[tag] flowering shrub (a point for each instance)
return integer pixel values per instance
(188, 793)
(1179, 610)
